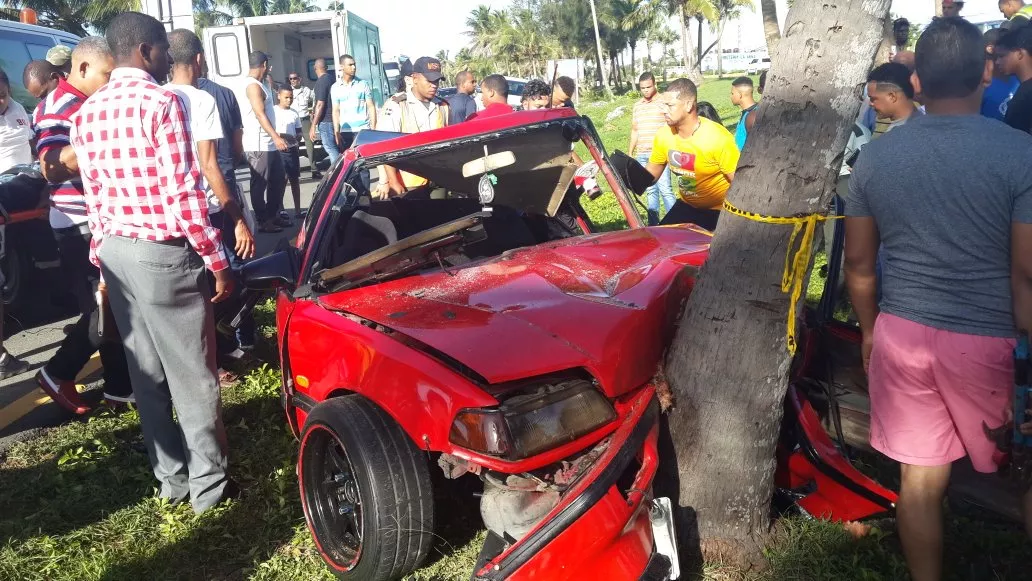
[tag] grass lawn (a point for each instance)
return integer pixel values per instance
(77, 503)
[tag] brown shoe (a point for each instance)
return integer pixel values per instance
(63, 393)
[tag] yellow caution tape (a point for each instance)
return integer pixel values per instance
(797, 259)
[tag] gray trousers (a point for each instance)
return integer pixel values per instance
(161, 301)
(306, 128)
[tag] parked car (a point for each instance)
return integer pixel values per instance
(756, 65)
(487, 335)
(21, 43)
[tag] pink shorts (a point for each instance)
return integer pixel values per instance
(932, 389)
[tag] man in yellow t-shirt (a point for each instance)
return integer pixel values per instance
(701, 155)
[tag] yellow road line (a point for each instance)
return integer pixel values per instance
(24, 405)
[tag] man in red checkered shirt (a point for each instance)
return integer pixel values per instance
(152, 239)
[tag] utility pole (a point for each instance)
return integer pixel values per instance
(598, 47)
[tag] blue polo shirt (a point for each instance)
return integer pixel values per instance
(350, 99)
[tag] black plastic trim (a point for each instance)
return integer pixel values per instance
(304, 402)
(533, 544)
(658, 568)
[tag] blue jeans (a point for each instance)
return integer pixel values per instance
(329, 141)
(661, 189)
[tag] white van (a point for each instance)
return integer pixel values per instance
(293, 43)
(21, 43)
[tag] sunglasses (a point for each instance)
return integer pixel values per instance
(293, 78)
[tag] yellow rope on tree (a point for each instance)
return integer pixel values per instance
(797, 258)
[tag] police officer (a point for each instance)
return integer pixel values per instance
(1016, 12)
(416, 110)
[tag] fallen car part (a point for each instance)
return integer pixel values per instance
(661, 516)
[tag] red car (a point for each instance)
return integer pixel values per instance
(478, 326)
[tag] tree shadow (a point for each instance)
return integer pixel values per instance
(667, 483)
(457, 513)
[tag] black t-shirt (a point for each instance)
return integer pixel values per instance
(229, 116)
(1019, 108)
(322, 93)
(460, 107)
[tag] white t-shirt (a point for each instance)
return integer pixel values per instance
(15, 134)
(205, 125)
(255, 138)
(287, 123)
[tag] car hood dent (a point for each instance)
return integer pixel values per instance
(601, 302)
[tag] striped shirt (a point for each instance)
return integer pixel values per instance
(52, 124)
(139, 171)
(648, 117)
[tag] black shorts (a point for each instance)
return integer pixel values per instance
(292, 163)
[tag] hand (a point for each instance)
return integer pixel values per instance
(224, 284)
(281, 144)
(865, 350)
(102, 287)
(382, 191)
(311, 134)
(244, 240)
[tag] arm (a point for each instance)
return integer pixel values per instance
(209, 161)
(728, 159)
(58, 164)
(238, 146)
(320, 110)
(257, 99)
(371, 112)
(750, 121)
(634, 136)
(861, 256)
(336, 122)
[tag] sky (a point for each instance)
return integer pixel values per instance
(418, 27)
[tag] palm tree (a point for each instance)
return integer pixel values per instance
(78, 17)
(726, 10)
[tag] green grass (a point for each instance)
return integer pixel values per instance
(78, 504)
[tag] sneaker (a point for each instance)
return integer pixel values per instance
(270, 227)
(246, 347)
(124, 399)
(283, 221)
(316, 175)
(11, 366)
(62, 392)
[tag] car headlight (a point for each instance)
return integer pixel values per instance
(533, 421)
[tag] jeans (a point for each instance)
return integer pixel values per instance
(661, 189)
(329, 142)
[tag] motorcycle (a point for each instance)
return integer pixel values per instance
(27, 244)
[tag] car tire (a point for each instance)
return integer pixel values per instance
(358, 472)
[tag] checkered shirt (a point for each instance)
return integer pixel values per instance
(139, 171)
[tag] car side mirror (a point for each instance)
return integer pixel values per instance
(633, 173)
(271, 272)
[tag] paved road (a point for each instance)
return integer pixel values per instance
(24, 409)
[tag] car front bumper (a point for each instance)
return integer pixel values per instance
(601, 529)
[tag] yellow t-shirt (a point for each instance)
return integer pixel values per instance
(698, 164)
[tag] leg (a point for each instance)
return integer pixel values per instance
(919, 517)
(74, 249)
(259, 183)
(329, 143)
(651, 194)
(171, 299)
(666, 191)
(277, 185)
(306, 128)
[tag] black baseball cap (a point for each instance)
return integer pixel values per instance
(429, 67)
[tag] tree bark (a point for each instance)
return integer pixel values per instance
(684, 39)
(938, 7)
(771, 30)
(729, 365)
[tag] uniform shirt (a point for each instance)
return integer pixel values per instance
(204, 126)
(944, 215)
(648, 116)
(304, 99)
(15, 134)
(229, 115)
(255, 138)
(322, 93)
(52, 124)
(288, 124)
(699, 163)
(350, 100)
(139, 172)
(884, 124)
(411, 115)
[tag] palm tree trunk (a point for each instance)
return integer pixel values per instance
(684, 38)
(633, 77)
(771, 30)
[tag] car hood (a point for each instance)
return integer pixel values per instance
(603, 302)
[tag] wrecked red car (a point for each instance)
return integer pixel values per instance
(479, 326)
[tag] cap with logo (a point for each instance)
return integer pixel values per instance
(428, 67)
(59, 55)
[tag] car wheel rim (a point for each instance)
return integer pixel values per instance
(333, 500)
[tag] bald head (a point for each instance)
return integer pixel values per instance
(40, 78)
(92, 63)
(319, 66)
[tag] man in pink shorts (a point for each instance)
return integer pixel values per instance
(946, 212)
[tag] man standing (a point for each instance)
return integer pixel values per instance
(494, 91)
(268, 182)
(998, 94)
(1016, 12)
(646, 119)
(742, 97)
(892, 97)
(461, 105)
(61, 57)
(322, 120)
(304, 100)
(701, 155)
(52, 123)
(1013, 53)
(418, 110)
(956, 281)
(152, 240)
(353, 106)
